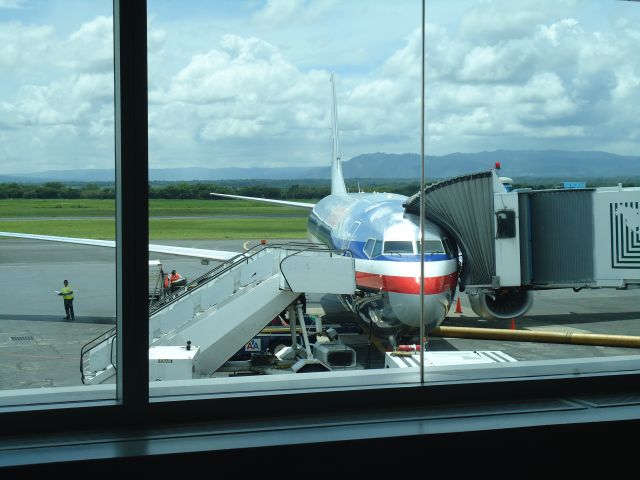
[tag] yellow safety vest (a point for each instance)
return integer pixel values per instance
(67, 293)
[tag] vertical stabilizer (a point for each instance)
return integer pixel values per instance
(337, 180)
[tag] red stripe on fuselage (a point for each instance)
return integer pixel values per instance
(411, 285)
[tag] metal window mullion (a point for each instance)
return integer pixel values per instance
(422, 107)
(132, 212)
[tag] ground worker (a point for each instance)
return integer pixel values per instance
(175, 280)
(67, 296)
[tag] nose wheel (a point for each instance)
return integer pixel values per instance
(369, 311)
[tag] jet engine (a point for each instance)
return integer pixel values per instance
(502, 304)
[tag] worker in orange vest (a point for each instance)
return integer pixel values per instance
(175, 280)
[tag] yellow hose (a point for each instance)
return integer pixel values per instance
(538, 336)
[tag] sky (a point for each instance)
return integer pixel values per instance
(246, 83)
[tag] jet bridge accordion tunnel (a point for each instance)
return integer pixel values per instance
(514, 242)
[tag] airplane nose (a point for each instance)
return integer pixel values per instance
(406, 308)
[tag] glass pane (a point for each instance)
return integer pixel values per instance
(543, 97)
(398, 246)
(57, 316)
(241, 103)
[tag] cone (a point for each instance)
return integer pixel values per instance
(458, 306)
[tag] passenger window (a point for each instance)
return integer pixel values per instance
(396, 246)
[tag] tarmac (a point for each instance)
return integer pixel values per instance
(39, 348)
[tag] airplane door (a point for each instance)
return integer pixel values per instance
(346, 243)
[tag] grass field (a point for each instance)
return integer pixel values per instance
(11, 208)
(250, 220)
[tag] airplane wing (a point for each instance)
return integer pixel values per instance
(169, 249)
(307, 206)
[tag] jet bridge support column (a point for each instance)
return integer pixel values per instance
(303, 326)
(292, 325)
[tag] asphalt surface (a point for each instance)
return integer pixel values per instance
(39, 348)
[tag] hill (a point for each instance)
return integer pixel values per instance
(515, 163)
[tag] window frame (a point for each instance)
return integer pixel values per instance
(368, 247)
(431, 251)
(132, 407)
(399, 242)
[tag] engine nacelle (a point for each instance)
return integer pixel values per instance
(502, 304)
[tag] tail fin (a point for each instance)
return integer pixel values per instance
(337, 180)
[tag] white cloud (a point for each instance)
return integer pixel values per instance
(251, 87)
(24, 46)
(12, 3)
(530, 81)
(243, 68)
(244, 90)
(627, 83)
(495, 63)
(281, 12)
(278, 12)
(70, 102)
(234, 127)
(90, 48)
(491, 21)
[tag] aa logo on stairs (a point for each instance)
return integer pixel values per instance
(625, 234)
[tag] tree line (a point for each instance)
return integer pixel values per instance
(282, 190)
(182, 190)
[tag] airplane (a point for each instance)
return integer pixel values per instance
(381, 236)
(384, 241)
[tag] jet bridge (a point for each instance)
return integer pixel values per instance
(215, 315)
(513, 242)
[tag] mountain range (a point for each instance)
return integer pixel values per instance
(569, 165)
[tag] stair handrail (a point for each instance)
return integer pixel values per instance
(87, 347)
(312, 247)
(202, 280)
(224, 267)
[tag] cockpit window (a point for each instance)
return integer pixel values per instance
(368, 247)
(433, 246)
(398, 246)
(448, 247)
(373, 248)
(377, 249)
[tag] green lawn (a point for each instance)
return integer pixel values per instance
(55, 208)
(277, 222)
(161, 229)
(12, 208)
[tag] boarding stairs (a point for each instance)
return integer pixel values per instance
(222, 310)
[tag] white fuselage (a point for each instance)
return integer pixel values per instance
(385, 243)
